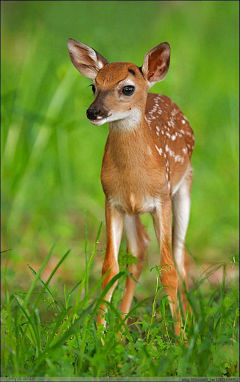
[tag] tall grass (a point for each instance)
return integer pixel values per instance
(50, 335)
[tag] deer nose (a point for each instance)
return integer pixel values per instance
(92, 113)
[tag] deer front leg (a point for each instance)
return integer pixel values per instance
(114, 229)
(162, 219)
(137, 242)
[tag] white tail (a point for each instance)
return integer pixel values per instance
(146, 165)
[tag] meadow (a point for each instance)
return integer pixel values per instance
(53, 204)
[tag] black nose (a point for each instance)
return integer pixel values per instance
(92, 113)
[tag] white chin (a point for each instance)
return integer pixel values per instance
(98, 122)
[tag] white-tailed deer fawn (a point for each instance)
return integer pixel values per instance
(146, 165)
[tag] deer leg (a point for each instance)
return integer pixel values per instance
(114, 228)
(162, 217)
(181, 211)
(137, 242)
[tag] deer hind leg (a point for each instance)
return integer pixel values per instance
(181, 211)
(162, 219)
(137, 242)
(114, 228)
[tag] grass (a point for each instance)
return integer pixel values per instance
(48, 335)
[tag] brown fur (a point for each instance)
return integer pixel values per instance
(147, 160)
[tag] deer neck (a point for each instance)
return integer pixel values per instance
(127, 143)
(130, 123)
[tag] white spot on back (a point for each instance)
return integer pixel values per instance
(159, 150)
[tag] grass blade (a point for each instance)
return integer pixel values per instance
(46, 288)
(29, 293)
(50, 277)
(86, 256)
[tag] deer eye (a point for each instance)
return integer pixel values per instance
(93, 89)
(128, 90)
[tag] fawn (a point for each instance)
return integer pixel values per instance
(146, 166)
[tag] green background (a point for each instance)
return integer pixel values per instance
(51, 154)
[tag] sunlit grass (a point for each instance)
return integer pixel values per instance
(48, 334)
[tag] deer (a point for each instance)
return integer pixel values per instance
(146, 168)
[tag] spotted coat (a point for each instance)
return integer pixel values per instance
(173, 136)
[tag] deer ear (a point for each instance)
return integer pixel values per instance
(156, 63)
(85, 59)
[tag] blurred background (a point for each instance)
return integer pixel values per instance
(51, 154)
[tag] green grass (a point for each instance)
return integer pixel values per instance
(47, 334)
